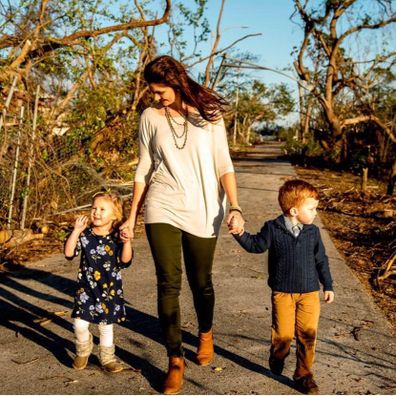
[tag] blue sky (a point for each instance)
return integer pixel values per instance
(271, 18)
(273, 48)
(279, 33)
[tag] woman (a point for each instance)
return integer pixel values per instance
(183, 175)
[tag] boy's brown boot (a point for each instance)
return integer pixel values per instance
(83, 350)
(174, 377)
(307, 385)
(205, 348)
(108, 359)
(276, 365)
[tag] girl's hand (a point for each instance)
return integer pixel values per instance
(81, 223)
(124, 236)
(235, 223)
(127, 230)
(328, 296)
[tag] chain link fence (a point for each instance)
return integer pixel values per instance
(46, 170)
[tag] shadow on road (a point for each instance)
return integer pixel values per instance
(22, 317)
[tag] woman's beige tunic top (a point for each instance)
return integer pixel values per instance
(184, 185)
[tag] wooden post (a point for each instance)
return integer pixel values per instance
(364, 179)
(3, 148)
(7, 103)
(31, 153)
(15, 170)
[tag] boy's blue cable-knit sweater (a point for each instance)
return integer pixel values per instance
(295, 264)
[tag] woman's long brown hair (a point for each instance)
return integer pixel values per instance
(168, 71)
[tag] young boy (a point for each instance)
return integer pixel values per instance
(297, 262)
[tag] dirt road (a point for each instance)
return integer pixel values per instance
(355, 350)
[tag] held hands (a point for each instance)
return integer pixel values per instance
(125, 236)
(81, 224)
(328, 296)
(235, 223)
(127, 231)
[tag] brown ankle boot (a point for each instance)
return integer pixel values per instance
(205, 348)
(174, 377)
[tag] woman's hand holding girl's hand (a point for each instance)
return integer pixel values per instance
(124, 236)
(81, 224)
(235, 223)
(127, 230)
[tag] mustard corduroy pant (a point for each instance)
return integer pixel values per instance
(295, 314)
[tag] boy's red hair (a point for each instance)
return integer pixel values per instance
(294, 192)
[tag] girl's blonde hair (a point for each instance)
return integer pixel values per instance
(116, 200)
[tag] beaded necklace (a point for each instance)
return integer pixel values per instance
(175, 136)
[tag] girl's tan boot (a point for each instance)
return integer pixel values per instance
(83, 350)
(205, 348)
(108, 359)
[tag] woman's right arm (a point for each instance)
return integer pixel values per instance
(142, 175)
(139, 194)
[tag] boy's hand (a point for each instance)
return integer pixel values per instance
(328, 296)
(81, 223)
(235, 223)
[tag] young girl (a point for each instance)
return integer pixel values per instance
(99, 297)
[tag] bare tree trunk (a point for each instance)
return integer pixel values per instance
(307, 120)
(242, 132)
(214, 48)
(303, 117)
(248, 133)
(336, 132)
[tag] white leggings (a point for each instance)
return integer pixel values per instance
(81, 331)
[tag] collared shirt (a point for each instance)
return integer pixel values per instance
(294, 229)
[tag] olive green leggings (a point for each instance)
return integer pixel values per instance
(166, 243)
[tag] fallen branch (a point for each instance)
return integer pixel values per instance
(48, 319)
(27, 362)
(14, 238)
(389, 270)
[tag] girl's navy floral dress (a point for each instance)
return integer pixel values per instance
(99, 297)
